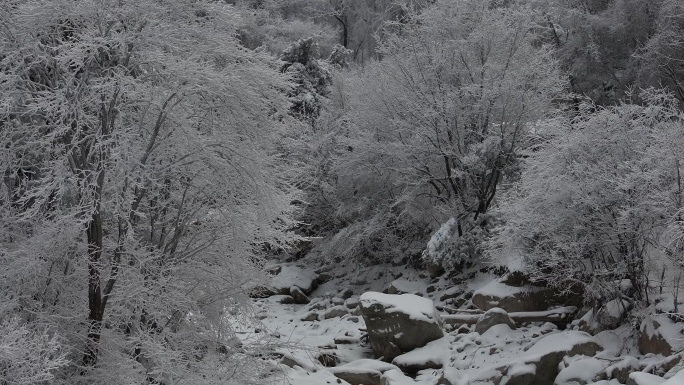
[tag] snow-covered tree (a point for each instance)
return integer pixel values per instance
(661, 58)
(595, 197)
(140, 183)
(311, 76)
(437, 122)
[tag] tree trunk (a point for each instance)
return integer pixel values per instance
(95, 303)
(96, 299)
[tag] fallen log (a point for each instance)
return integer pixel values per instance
(553, 315)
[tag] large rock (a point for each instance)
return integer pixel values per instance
(515, 299)
(434, 355)
(551, 349)
(659, 335)
(540, 364)
(399, 323)
(494, 316)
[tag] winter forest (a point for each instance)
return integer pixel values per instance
(356, 192)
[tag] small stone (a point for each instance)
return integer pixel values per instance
(351, 303)
(311, 316)
(324, 277)
(320, 305)
(492, 317)
(337, 311)
(298, 295)
(345, 293)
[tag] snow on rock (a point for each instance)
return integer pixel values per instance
(396, 377)
(640, 378)
(434, 355)
(364, 371)
(540, 363)
(511, 298)
(621, 369)
(291, 275)
(659, 335)
(399, 323)
(355, 376)
(493, 316)
(368, 364)
(581, 372)
(335, 312)
(415, 307)
(300, 376)
(571, 342)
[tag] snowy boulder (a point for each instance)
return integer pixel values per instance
(551, 349)
(540, 364)
(659, 335)
(515, 299)
(640, 378)
(582, 372)
(335, 312)
(399, 323)
(395, 377)
(358, 376)
(494, 316)
(620, 370)
(434, 355)
(362, 372)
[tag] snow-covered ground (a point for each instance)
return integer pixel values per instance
(332, 325)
